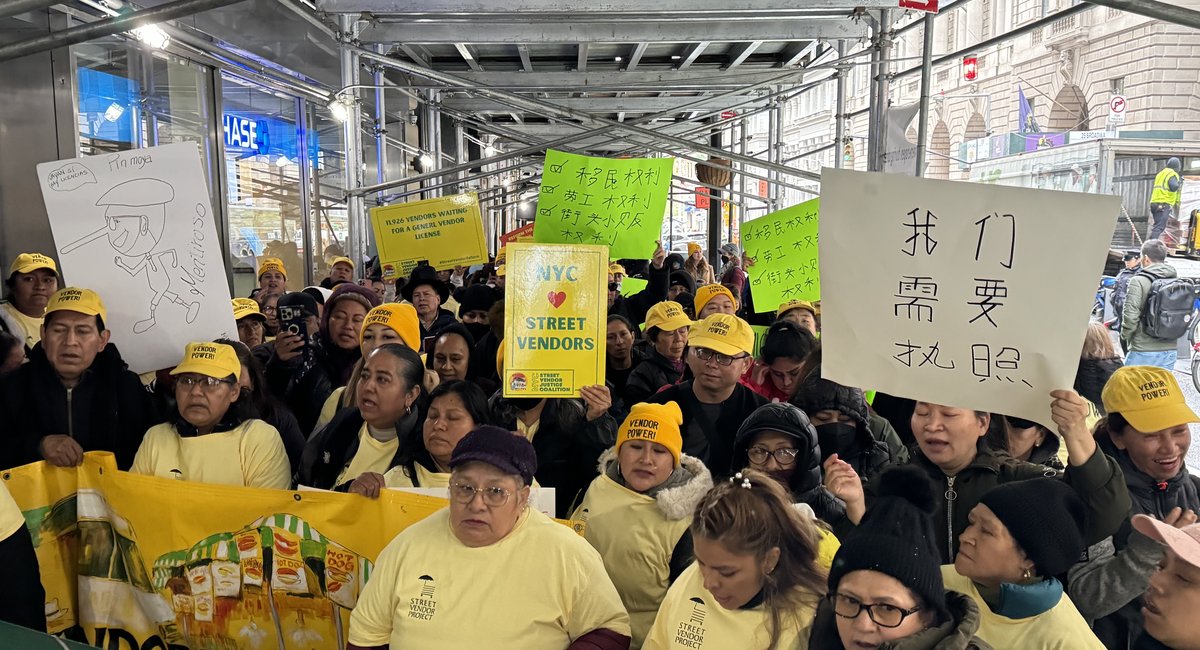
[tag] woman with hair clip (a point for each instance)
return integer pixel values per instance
(760, 572)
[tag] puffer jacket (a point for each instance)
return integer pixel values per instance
(876, 447)
(650, 376)
(1131, 314)
(956, 633)
(805, 482)
(1108, 585)
(1091, 377)
(1099, 483)
(567, 445)
(107, 410)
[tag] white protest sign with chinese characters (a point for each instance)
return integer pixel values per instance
(963, 294)
(137, 227)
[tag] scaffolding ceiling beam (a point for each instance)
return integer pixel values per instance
(602, 105)
(692, 79)
(623, 8)
(517, 31)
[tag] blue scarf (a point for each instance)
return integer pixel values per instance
(1024, 601)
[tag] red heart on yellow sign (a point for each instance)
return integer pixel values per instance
(557, 298)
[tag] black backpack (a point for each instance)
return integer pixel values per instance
(1169, 306)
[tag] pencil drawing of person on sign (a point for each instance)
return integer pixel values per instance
(135, 215)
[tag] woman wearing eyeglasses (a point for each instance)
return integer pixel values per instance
(778, 440)
(759, 573)
(885, 587)
(636, 514)
(213, 440)
(489, 572)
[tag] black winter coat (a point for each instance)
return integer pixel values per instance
(108, 410)
(650, 376)
(568, 446)
(304, 387)
(635, 307)
(1091, 377)
(806, 482)
(331, 449)
(711, 442)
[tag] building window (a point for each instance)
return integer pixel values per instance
(1027, 10)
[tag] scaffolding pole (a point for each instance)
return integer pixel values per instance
(926, 74)
(352, 135)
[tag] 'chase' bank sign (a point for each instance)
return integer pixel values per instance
(246, 134)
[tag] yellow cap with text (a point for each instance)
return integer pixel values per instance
(667, 316)
(658, 423)
(400, 317)
(246, 308)
(82, 301)
(30, 262)
(268, 264)
(723, 333)
(210, 359)
(1148, 398)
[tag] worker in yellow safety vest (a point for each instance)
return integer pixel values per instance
(1164, 197)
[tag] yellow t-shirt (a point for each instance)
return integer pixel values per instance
(1059, 628)
(32, 326)
(372, 456)
(261, 460)
(528, 430)
(539, 588)
(332, 405)
(690, 618)
(11, 518)
(397, 477)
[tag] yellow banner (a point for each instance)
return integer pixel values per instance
(556, 319)
(134, 562)
(446, 231)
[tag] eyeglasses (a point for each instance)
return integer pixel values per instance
(204, 382)
(706, 355)
(884, 615)
(492, 496)
(783, 456)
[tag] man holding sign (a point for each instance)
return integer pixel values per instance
(635, 307)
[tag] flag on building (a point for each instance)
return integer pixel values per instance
(1025, 113)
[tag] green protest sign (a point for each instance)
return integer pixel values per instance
(604, 201)
(630, 286)
(760, 335)
(783, 246)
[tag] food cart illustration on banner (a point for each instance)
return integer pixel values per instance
(278, 583)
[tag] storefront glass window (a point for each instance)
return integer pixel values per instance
(263, 181)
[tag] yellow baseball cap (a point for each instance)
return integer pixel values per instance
(501, 256)
(341, 260)
(246, 308)
(82, 301)
(667, 316)
(795, 304)
(399, 317)
(693, 248)
(1148, 398)
(708, 292)
(30, 262)
(723, 333)
(275, 264)
(616, 268)
(209, 359)
(654, 423)
(500, 271)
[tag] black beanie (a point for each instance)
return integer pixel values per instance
(817, 394)
(477, 297)
(896, 538)
(1045, 517)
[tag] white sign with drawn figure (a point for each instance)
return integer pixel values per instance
(963, 294)
(138, 228)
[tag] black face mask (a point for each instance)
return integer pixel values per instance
(837, 438)
(478, 330)
(523, 403)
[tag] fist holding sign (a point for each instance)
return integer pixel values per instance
(554, 330)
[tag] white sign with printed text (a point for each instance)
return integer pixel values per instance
(962, 294)
(138, 228)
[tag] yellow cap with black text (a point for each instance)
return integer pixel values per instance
(1148, 398)
(30, 262)
(400, 317)
(210, 359)
(268, 264)
(659, 423)
(82, 301)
